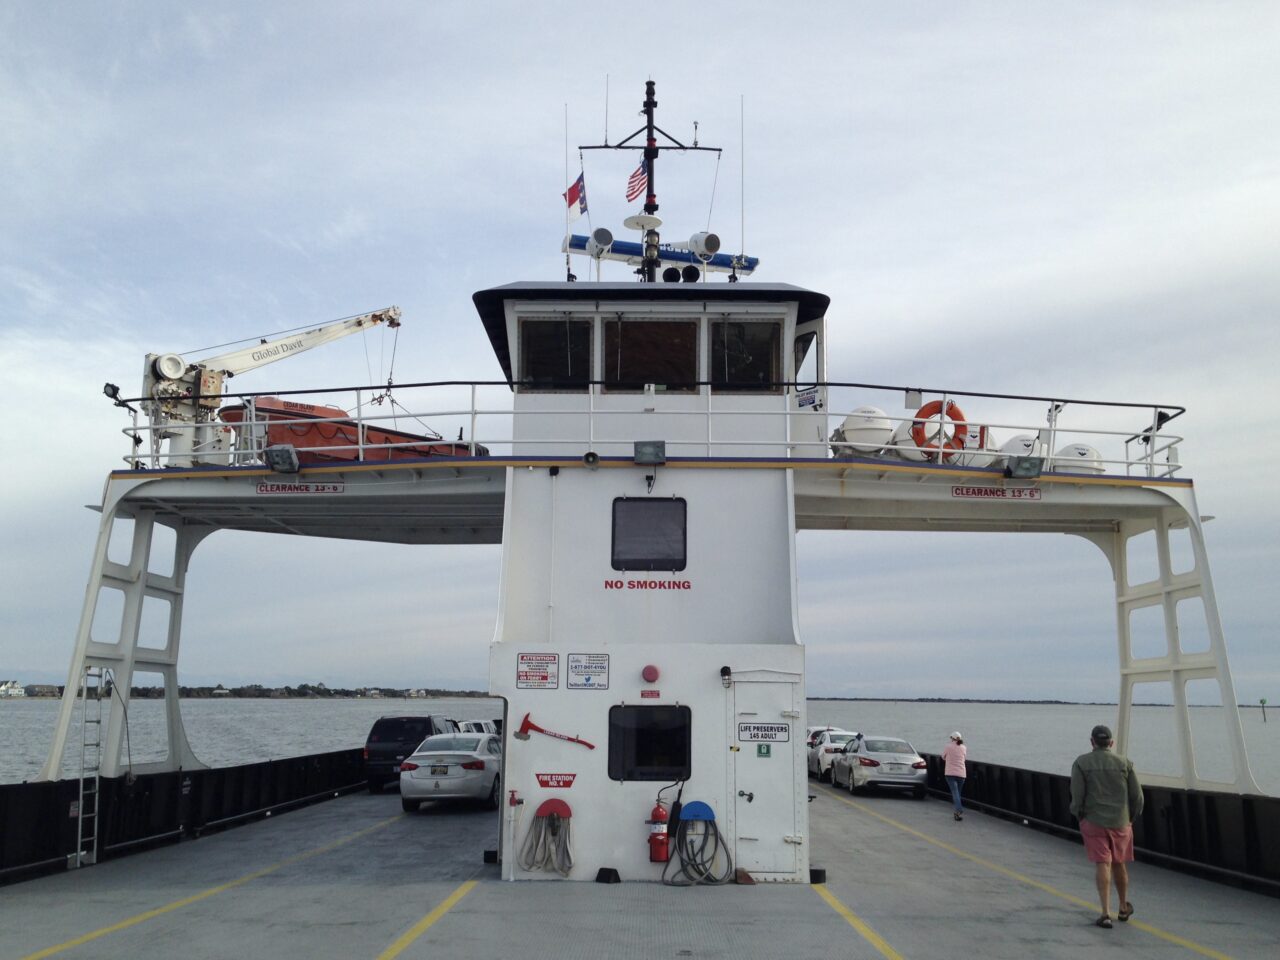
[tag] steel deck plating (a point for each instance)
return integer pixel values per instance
(355, 877)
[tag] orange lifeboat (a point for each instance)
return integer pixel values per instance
(323, 434)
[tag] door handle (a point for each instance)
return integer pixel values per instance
(749, 796)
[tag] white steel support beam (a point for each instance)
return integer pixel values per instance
(124, 656)
(1174, 666)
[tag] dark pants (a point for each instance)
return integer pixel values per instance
(956, 784)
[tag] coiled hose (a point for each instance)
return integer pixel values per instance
(547, 845)
(698, 845)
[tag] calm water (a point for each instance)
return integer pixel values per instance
(1031, 736)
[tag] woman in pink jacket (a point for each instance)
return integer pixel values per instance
(953, 758)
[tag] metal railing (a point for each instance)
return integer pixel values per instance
(1089, 436)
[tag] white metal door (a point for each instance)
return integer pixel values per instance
(764, 789)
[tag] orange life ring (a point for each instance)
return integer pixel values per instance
(949, 444)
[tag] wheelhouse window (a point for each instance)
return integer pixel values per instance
(649, 533)
(650, 743)
(555, 354)
(661, 352)
(746, 356)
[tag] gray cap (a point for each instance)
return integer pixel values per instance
(1101, 734)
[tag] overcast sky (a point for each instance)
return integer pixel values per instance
(1077, 200)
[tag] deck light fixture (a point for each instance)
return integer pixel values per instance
(1024, 468)
(282, 458)
(650, 453)
(726, 677)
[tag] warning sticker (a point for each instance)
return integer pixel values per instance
(537, 671)
(764, 732)
(650, 694)
(587, 671)
(564, 780)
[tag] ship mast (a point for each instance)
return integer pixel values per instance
(649, 221)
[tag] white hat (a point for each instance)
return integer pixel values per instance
(956, 735)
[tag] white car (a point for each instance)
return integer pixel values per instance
(826, 747)
(879, 761)
(453, 766)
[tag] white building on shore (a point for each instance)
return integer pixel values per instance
(12, 688)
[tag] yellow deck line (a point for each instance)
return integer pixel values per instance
(1023, 878)
(205, 894)
(857, 923)
(421, 927)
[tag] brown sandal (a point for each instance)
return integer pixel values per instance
(1126, 911)
(1104, 921)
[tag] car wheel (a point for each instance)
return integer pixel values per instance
(409, 806)
(920, 792)
(853, 787)
(375, 786)
(492, 802)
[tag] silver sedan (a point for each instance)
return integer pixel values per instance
(879, 761)
(453, 766)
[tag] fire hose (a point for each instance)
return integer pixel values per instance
(547, 845)
(697, 847)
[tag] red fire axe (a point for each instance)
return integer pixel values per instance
(527, 726)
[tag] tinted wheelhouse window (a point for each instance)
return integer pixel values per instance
(746, 356)
(555, 354)
(661, 352)
(650, 743)
(649, 534)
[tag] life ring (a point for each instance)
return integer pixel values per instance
(949, 444)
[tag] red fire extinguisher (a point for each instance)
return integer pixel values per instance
(659, 840)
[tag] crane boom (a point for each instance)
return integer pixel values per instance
(180, 392)
(269, 351)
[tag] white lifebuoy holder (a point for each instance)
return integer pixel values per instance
(948, 444)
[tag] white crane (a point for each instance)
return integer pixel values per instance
(182, 398)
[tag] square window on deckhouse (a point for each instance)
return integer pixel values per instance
(649, 533)
(650, 743)
(746, 356)
(661, 352)
(555, 354)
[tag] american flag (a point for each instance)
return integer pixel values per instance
(639, 180)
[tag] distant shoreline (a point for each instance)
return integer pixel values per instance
(305, 692)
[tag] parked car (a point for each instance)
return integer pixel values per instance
(391, 740)
(477, 726)
(453, 766)
(811, 734)
(873, 760)
(826, 746)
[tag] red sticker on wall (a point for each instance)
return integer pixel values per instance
(555, 779)
(650, 694)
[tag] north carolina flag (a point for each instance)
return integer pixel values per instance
(576, 197)
(638, 181)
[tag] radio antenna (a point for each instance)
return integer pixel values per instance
(742, 184)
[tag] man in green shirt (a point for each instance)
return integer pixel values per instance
(1106, 798)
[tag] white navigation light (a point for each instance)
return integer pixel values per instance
(599, 242)
(704, 245)
(169, 366)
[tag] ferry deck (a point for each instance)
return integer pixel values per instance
(357, 877)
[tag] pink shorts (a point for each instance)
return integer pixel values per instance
(1107, 845)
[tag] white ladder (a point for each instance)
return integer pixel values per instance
(92, 683)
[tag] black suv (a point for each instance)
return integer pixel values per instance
(391, 740)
